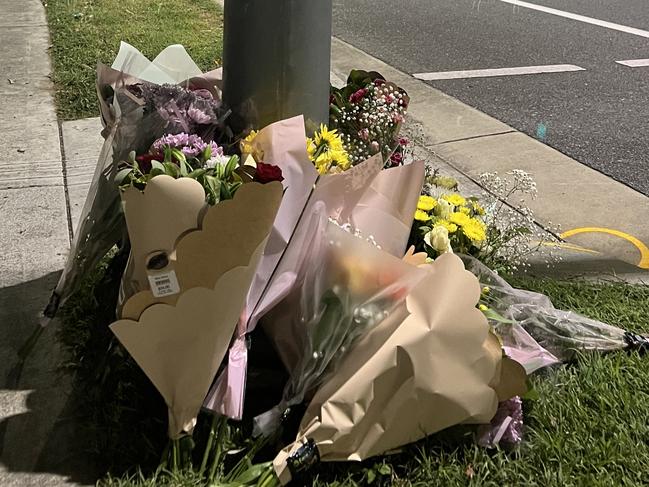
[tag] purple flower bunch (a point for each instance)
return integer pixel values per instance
(181, 109)
(190, 145)
(506, 426)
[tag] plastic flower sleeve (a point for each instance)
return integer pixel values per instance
(561, 333)
(333, 195)
(349, 287)
(128, 126)
(386, 208)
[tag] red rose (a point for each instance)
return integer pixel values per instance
(358, 95)
(267, 173)
(144, 161)
(396, 158)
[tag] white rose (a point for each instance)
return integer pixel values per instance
(443, 209)
(438, 239)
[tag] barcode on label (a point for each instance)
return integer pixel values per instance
(164, 284)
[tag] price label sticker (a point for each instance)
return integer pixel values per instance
(164, 284)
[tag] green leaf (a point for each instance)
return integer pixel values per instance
(178, 154)
(493, 315)
(185, 168)
(385, 469)
(121, 176)
(197, 173)
(371, 476)
(207, 153)
(212, 187)
(157, 169)
(171, 169)
(231, 166)
(225, 192)
(168, 153)
(252, 473)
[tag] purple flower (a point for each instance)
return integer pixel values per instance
(190, 145)
(198, 116)
(506, 426)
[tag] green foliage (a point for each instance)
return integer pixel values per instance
(219, 182)
(85, 32)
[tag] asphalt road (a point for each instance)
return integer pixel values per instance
(598, 116)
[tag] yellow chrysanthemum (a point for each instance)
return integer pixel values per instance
(460, 219)
(421, 216)
(247, 148)
(475, 231)
(477, 208)
(451, 227)
(426, 203)
(455, 199)
(465, 209)
(251, 136)
(329, 138)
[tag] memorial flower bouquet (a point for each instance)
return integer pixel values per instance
(184, 155)
(368, 113)
(449, 223)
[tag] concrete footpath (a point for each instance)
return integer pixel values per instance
(607, 219)
(46, 168)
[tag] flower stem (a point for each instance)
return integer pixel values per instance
(175, 455)
(208, 447)
(222, 424)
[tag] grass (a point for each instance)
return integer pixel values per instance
(84, 32)
(589, 426)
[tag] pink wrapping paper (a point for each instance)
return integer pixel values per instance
(378, 203)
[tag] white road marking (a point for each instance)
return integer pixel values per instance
(486, 73)
(580, 18)
(634, 63)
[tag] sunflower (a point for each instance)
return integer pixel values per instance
(340, 159)
(328, 139)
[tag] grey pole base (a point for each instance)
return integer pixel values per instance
(276, 61)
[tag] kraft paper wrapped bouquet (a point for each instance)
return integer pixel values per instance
(195, 281)
(391, 352)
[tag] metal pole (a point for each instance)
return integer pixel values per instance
(276, 61)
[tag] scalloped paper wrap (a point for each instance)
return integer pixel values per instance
(179, 340)
(433, 363)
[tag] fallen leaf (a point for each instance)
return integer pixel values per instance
(469, 471)
(22, 151)
(11, 81)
